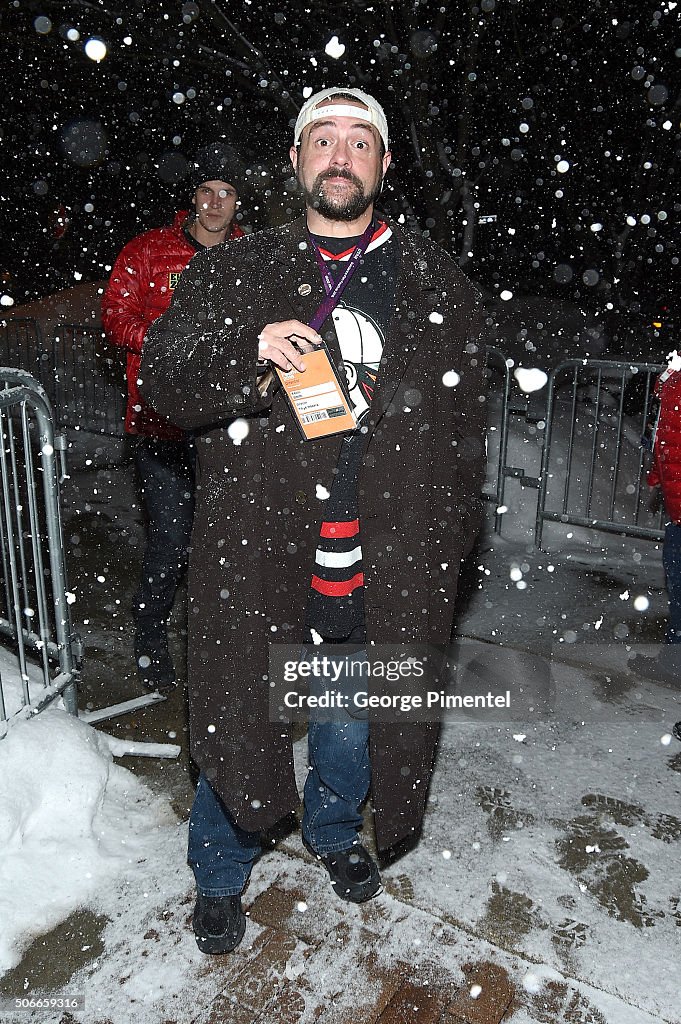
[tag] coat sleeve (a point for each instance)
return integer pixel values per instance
(461, 424)
(123, 302)
(199, 362)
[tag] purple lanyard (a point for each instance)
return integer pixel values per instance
(334, 289)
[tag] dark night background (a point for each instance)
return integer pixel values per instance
(560, 120)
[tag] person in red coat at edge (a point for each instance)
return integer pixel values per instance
(666, 473)
(140, 289)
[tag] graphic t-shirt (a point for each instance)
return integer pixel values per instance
(336, 604)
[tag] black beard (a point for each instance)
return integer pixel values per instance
(352, 208)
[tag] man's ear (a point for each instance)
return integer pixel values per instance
(293, 154)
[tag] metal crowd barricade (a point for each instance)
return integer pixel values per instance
(497, 432)
(592, 462)
(81, 373)
(21, 344)
(43, 655)
(88, 381)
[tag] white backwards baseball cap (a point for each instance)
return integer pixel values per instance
(312, 111)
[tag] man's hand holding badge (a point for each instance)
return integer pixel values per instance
(283, 343)
(318, 402)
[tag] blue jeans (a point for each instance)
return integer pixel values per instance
(671, 559)
(166, 474)
(221, 854)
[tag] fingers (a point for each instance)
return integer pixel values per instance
(283, 343)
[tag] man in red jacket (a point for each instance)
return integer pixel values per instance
(140, 290)
(666, 473)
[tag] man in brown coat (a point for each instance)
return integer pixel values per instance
(354, 537)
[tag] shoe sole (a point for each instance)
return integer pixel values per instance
(217, 944)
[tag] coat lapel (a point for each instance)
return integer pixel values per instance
(417, 297)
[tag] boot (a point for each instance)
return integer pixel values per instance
(353, 872)
(154, 664)
(219, 923)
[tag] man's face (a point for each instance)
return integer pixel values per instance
(339, 165)
(215, 205)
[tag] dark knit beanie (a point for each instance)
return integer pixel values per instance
(215, 162)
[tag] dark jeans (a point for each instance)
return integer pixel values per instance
(671, 559)
(166, 475)
(221, 854)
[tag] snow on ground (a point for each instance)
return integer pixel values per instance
(72, 822)
(12, 686)
(563, 848)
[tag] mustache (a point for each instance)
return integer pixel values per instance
(340, 172)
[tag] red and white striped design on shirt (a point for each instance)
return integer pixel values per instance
(337, 553)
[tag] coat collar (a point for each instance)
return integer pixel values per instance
(295, 234)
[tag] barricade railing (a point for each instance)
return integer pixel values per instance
(80, 371)
(88, 383)
(22, 345)
(42, 655)
(592, 468)
(497, 431)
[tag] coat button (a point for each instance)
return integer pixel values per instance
(304, 289)
(301, 497)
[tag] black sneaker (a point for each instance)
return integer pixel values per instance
(353, 872)
(219, 923)
(154, 664)
(676, 731)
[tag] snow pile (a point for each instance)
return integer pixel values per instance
(72, 822)
(12, 688)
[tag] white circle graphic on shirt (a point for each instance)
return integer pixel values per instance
(361, 345)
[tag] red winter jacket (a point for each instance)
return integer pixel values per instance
(666, 469)
(139, 290)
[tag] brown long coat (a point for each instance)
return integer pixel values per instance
(258, 514)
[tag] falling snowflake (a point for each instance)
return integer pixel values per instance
(530, 380)
(334, 48)
(238, 430)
